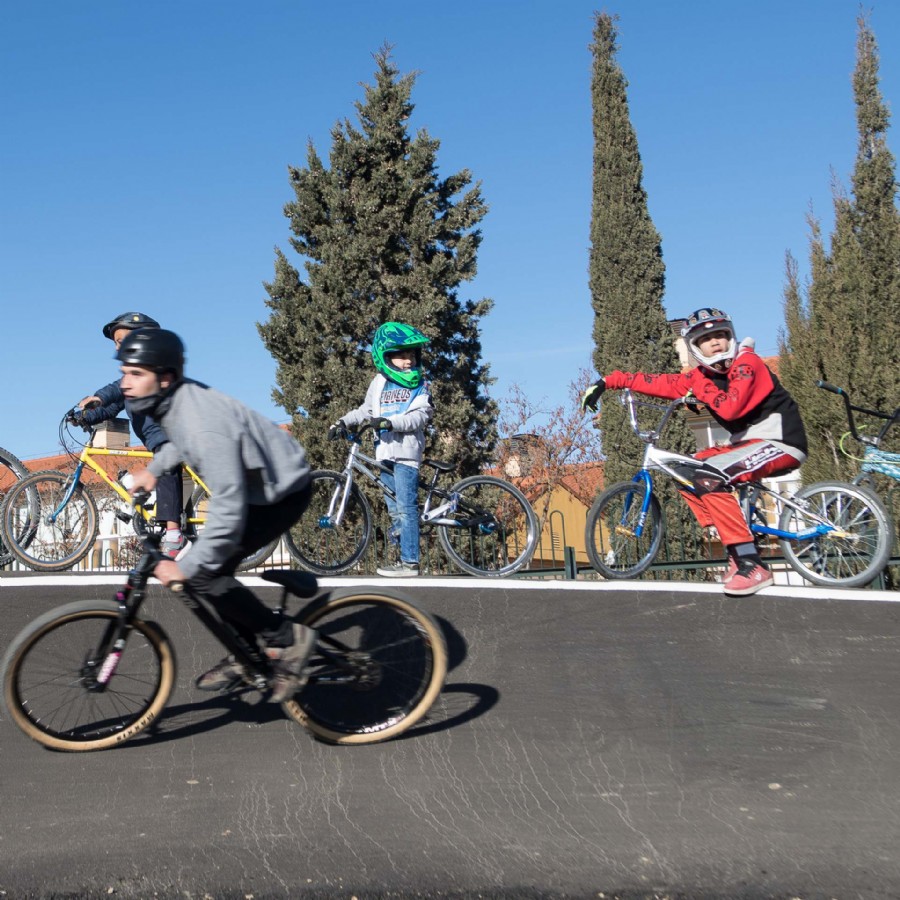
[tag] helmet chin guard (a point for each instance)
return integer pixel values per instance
(394, 336)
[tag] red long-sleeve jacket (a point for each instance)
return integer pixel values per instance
(748, 401)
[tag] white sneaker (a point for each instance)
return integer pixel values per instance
(400, 570)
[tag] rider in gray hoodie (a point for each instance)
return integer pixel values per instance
(258, 478)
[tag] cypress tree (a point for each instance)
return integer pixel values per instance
(844, 329)
(627, 273)
(383, 238)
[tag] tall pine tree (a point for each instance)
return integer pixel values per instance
(383, 238)
(627, 275)
(845, 328)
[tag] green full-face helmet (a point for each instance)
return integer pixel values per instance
(394, 336)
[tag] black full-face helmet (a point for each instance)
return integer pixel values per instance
(153, 348)
(130, 320)
(701, 322)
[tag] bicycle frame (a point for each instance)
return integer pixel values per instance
(86, 459)
(130, 598)
(657, 459)
(368, 466)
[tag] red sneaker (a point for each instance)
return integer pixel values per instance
(172, 548)
(748, 579)
(730, 572)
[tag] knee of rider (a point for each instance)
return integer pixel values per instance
(710, 481)
(212, 585)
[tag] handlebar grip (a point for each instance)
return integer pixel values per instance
(826, 386)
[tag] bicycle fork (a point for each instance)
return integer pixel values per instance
(101, 665)
(74, 480)
(622, 529)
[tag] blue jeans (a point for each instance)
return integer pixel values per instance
(404, 511)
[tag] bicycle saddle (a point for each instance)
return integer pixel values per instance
(440, 466)
(302, 584)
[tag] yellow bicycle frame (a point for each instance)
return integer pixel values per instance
(86, 458)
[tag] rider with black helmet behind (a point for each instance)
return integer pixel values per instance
(107, 402)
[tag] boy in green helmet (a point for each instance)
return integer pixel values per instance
(399, 396)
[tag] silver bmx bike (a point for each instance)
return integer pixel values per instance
(830, 533)
(486, 526)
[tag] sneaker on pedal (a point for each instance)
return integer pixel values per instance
(223, 676)
(290, 662)
(173, 548)
(400, 570)
(748, 579)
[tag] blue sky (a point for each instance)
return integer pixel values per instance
(145, 153)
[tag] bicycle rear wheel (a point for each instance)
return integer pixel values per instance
(44, 530)
(495, 530)
(857, 548)
(613, 545)
(385, 667)
(318, 542)
(50, 678)
(11, 469)
(195, 515)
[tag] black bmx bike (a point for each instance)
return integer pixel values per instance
(92, 674)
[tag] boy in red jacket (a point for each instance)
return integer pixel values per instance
(766, 432)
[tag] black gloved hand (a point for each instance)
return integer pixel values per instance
(380, 423)
(337, 431)
(592, 395)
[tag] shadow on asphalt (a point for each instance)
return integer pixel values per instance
(458, 703)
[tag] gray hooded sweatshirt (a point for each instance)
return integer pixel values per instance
(244, 458)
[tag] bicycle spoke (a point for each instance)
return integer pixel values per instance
(386, 674)
(493, 531)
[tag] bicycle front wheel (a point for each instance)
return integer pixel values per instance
(327, 540)
(43, 529)
(52, 670)
(11, 469)
(379, 665)
(855, 549)
(614, 546)
(494, 530)
(195, 518)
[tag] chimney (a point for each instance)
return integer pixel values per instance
(112, 435)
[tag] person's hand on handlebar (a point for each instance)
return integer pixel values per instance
(379, 423)
(142, 481)
(592, 395)
(168, 572)
(75, 416)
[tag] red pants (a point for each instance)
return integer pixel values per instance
(745, 461)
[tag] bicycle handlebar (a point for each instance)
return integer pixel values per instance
(849, 407)
(370, 424)
(629, 401)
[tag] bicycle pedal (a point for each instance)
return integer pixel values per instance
(124, 516)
